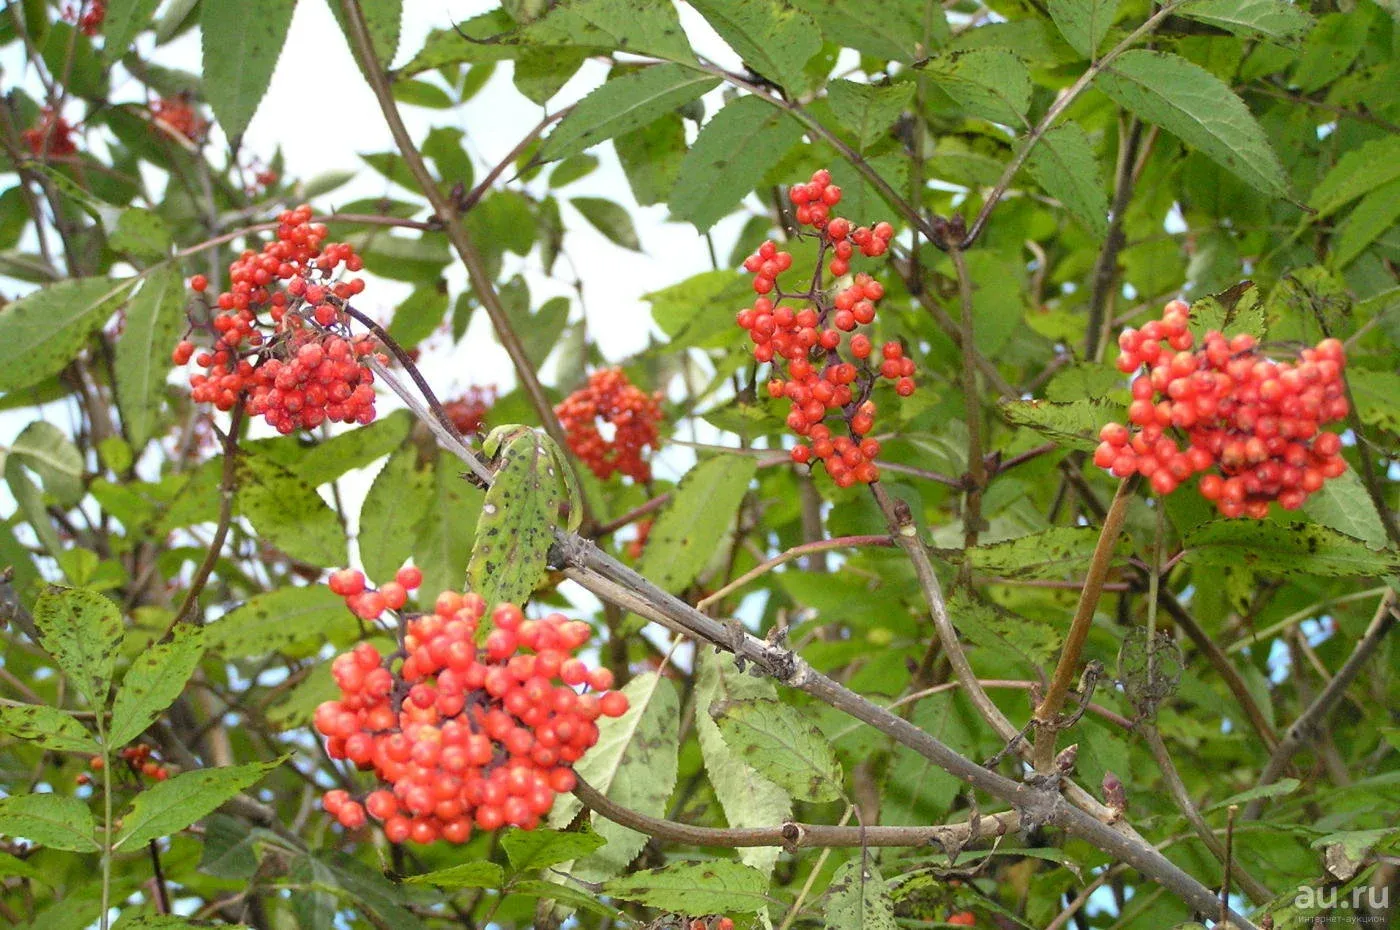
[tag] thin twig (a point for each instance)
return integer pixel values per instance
(822, 545)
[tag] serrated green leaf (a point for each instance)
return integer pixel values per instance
(1301, 548)
(1084, 23)
(1049, 553)
(543, 847)
(1276, 790)
(858, 898)
(170, 806)
(634, 764)
(288, 512)
(1075, 423)
(154, 323)
(396, 502)
(748, 799)
(868, 110)
(684, 536)
(242, 41)
(124, 21)
(782, 745)
(566, 895)
(992, 83)
(540, 73)
(1359, 171)
(330, 458)
(46, 727)
(891, 30)
(1343, 504)
(643, 27)
(1065, 167)
(476, 40)
(774, 38)
(729, 158)
(42, 331)
(1373, 216)
(610, 219)
(420, 314)
(516, 526)
(699, 311)
(1195, 106)
(1269, 19)
(1233, 312)
(713, 886)
(47, 451)
(155, 679)
(623, 104)
(51, 820)
(82, 630)
(651, 158)
(383, 21)
(477, 874)
(443, 539)
(141, 233)
(278, 620)
(1377, 396)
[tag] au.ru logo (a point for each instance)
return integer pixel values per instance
(1366, 898)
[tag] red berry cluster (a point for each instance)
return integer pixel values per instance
(634, 415)
(707, 923)
(468, 412)
(179, 115)
(303, 367)
(90, 20)
(819, 379)
(461, 734)
(1253, 419)
(52, 131)
(139, 759)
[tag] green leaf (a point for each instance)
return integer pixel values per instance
(31, 505)
(543, 847)
(42, 331)
(1276, 790)
(442, 543)
(476, 874)
(279, 620)
(331, 458)
(866, 109)
(1268, 19)
(684, 537)
(125, 20)
(82, 630)
(50, 820)
(163, 922)
(170, 806)
(651, 157)
(288, 512)
(242, 42)
(383, 22)
(782, 745)
(1295, 548)
(1377, 397)
(890, 30)
(396, 502)
(1373, 216)
(1195, 106)
(634, 763)
(566, 895)
(516, 526)
(540, 73)
(156, 678)
(1360, 171)
(444, 146)
(1232, 312)
(47, 451)
(623, 104)
(1065, 167)
(572, 169)
(610, 219)
(1047, 554)
(154, 323)
(1343, 504)
(420, 314)
(141, 233)
(729, 159)
(393, 167)
(774, 38)
(422, 94)
(699, 311)
(748, 799)
(1084, 23)
(643, 27)
(476, 40)
(1074, 423)
(858, 898)
(709, 887)
(992, 83)
(46, 727)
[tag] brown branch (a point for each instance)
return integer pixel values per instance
(792, 835)
(1106, 264)
(1068, 665)
(972, 408)
(1305, 729)
(633, 515)
(227, 486)
(447, 214)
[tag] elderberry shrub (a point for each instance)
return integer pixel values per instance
(819, 380)
(302, 366)
(1254, 420)
(460, 734)
(609, 397)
